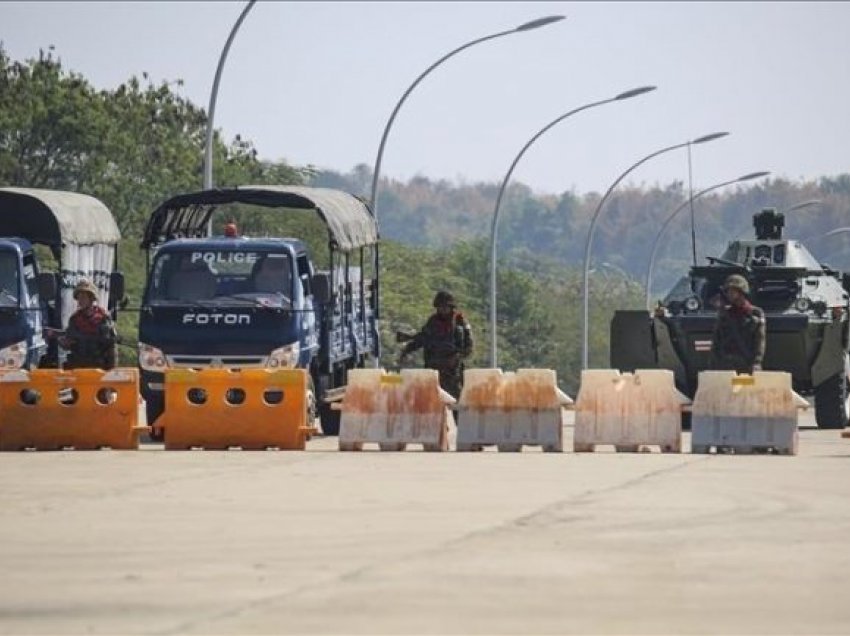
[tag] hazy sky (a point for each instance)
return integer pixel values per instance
(316, 82)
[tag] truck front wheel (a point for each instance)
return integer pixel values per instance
(831, 402)
(328, 417)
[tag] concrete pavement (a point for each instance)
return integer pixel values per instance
(155, 542)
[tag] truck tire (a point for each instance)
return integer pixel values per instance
(831, 402)
(329, 418)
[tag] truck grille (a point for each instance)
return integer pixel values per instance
(216, 362)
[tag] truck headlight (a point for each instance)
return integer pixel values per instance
(692, 303)
(151, 358)
(14, 356)
(284, 357)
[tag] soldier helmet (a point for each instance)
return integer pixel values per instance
(87, 287)
(738, 282)
(444, 299)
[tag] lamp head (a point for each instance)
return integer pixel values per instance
(804, 204)
(635, 92)
(539, 22)
(711, 137)
(753, 175)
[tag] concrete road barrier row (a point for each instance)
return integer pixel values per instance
(259, 408)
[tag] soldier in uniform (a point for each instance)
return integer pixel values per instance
(91, 337)
(446, 341)
(738, 341)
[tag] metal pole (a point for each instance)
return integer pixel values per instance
(688, 202)
(495, 222)
(586, 278)
(208, 152)
(691, 201)
(534, 24)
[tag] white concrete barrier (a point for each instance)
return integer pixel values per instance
(394, 410)
(511, 410)
(628, 410)
(743, 413)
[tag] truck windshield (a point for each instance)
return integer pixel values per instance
(222, 276)
(8, 279)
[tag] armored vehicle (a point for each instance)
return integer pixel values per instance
(806, 307)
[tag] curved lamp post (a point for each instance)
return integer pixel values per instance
(495, 223)
(675, 213)
(699, 140)
(208, 151)
(528, 26)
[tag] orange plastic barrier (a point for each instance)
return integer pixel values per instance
(49, 409)
(221, 408)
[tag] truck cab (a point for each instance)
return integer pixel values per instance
(240, 302)
(22, 314)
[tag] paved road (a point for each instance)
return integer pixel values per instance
(156, 542)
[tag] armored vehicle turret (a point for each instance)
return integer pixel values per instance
(806, 307)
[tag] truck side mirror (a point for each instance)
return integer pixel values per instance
(47, 286)
(321, 283)
(116, 288)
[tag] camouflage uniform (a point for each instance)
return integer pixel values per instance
(91, 336)
(738, 342)
(446, 341)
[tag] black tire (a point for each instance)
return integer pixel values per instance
(153, 409)
(329, 418)
(830, 403)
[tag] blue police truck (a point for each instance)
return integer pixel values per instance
(80, 238)
(230, 301)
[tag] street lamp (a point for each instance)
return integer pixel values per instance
(675, 213)
(802, 204)
(586, 280)
(495, 223)
(528, 26)
(834, 232)
(838, 230)
(208, 151)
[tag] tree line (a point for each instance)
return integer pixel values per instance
(142, 142)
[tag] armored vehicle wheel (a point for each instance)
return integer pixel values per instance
(831, 402)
